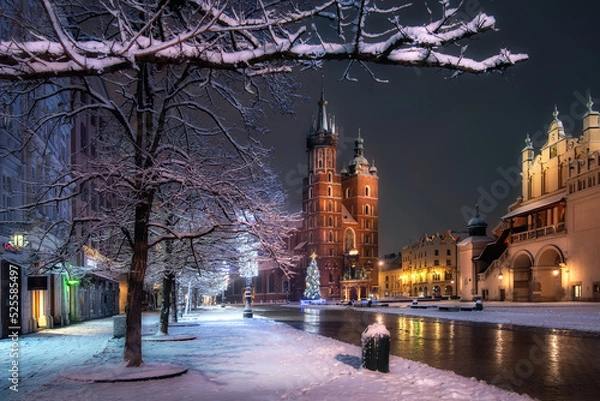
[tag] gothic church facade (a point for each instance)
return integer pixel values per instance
(340, 210)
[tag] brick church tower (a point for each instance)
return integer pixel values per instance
(340, 214)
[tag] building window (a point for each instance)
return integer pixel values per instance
(368, 224)
(271, 282)
(330, 236)
(310, 193)
(329, 191)
(436, 252)
(448, 252)
(577, 291)
(330, 206)
(367, 191)
(367, 209)
(436, 262)
(330, 221)
(448, 262)
(347, 193)
(367, 239)
(329, 177)
(435, 276)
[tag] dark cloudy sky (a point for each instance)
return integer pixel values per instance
(442, 145)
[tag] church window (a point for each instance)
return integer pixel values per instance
(347, 192)
(310, 192)
(310, 179)
(330, 206)
(329, 160)
(367, 191)
(329, 191)
(367, 239)
(310, 237)
(329, 177)
(367, 253)
(330, 221)
(320, 158)
(367, 209)
(330, 251)
(330, 236)
(368, 224)
(348, 240)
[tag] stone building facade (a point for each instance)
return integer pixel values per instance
(426, 268)
(548, 244)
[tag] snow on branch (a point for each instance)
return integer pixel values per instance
(253, 39)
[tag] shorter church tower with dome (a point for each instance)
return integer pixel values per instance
(340, 209)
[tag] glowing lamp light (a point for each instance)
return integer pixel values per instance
(500, 276)
(555, 272)
(72, 282)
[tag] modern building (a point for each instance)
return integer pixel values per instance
(548, 244)
(340, 209)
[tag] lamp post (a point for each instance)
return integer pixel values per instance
(248, 269)
(248, 298)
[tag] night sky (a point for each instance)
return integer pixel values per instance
(442, 145)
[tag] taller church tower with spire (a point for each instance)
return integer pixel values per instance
(340, 214)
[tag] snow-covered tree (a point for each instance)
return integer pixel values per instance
(313, 280)
(182, 84)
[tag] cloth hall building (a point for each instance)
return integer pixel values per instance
(547, 247)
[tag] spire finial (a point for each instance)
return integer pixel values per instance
(590, 103)
(555, 113)
(528, 142)
(322, 120)
(313, 255)
(477, 210)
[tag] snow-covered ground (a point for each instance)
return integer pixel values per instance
(257, 359)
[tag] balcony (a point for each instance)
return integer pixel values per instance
(538, 232)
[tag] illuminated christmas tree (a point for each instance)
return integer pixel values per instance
(313, 278)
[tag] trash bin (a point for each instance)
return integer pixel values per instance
(119, 325)
(375, 344)
(478, 305)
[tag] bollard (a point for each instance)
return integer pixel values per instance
(375, 344)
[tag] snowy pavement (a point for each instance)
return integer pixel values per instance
(255, 359)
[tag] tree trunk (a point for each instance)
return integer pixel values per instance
(174, 302)
(167, 289)
(135, 295)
